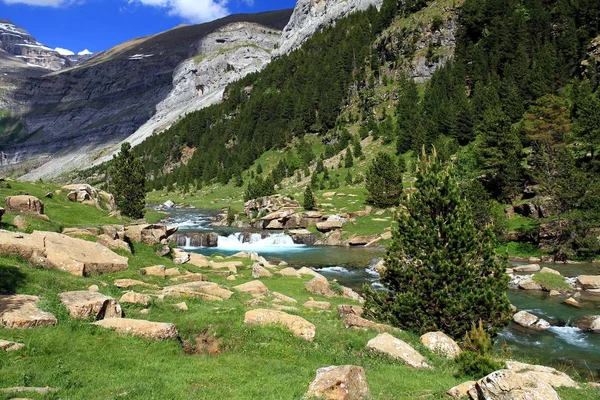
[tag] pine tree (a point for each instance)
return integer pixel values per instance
(384, 182)
(128, 182)
(349, 160)
(442, 274)
(309, 203)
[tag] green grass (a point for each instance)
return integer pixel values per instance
(550, 281)
(519, 249)
(62, 212)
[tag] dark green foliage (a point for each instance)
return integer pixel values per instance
(442, 273)
(259, 188)
(476, 360)
(384, 182)
(230, 216)
(309, 203)
(128, 182)
(356, 147)
(498, 155)
(349, 160)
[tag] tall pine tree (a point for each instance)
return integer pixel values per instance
(128, 182)
(442, 274)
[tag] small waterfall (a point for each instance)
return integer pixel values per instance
(257, 242)
(188, 242)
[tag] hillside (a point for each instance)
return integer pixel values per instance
(70, 116)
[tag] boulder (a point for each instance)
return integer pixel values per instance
(259, 271)
(127, 283)
(25, 204)
(511, 385)
(206, 290)
(440, 343)
(54, 250)
(168, 204)
(157, 270)
(461, 391)
(308, 271)
(181, 306)
(529, 284)
(530, 321)
(297, 325)
(231, 266)
(289, 272)
(140, 328)
(549, 375)
(346, 382)
(361, 240)
(347, 309)
(172, 272)
(572, 302)
(319, 285)
(547, 270)
(7, 346)
(283, 298)
(136, 298)
(180, 257)
(2, 211)
(189, 277)
(527, 268)
(84, 304)
(589, 281)
(397, 349)
(322, 305)
(149, 234)
(74, 232)
(589, 323)
(114, 244)
(274, 225)
(198, 260)
(358, 322)
(328, 226)
(255, 288)
(21, 311)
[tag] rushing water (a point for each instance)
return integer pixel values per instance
(563, 345)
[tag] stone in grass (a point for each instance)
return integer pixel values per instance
(398, 349)
(255, 288)
(440, 343)
(205, 290)
(140, 328)
(346, 382)
(8, 346)
(258, 271)
(283, 298)
(135, 298)
(461, 391)
(84, 304)
(181, 306)
(127, 283)
(321, 305)
(297, 325)
(506, 385)
(21, 311)
(549, 375)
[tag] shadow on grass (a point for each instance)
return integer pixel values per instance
(11, 278)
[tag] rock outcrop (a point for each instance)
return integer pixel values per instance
(54, 250)
(346, 382)
(25, 204)
(530, 321)
(507, 385)
(311, 16)
(204, 290)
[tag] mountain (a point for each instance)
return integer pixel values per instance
(18, 42)
(68, 117)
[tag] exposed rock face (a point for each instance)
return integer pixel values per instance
(297, 325)
(440, 343)
(311, 16)
(149, 234)
(84, 193)
(141, 328)
(87, 304)
(82, 111)
(549, 375)
(19, 43)
(589, 281)
(510, 385)
(346, 382)
(21, 311)
(398, 349)
(53, 250)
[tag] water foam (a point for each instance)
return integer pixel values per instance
(257, 243)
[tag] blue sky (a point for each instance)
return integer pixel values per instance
(100, 24)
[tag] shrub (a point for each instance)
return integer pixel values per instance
(549, 281)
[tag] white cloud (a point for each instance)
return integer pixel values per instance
(41, 3)
(85, 52)
(64, 52)
(195, 11)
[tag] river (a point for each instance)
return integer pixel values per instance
(563, 346)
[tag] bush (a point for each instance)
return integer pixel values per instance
(476, 360)
(384, 182)
(309, 199)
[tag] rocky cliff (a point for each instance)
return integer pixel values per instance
(66, 117)
(18, 42)
(310, 16)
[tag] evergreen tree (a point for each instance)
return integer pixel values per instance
(384, 182)
(442, 274)
(349, 160)
(309, 203)
(128, 182)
